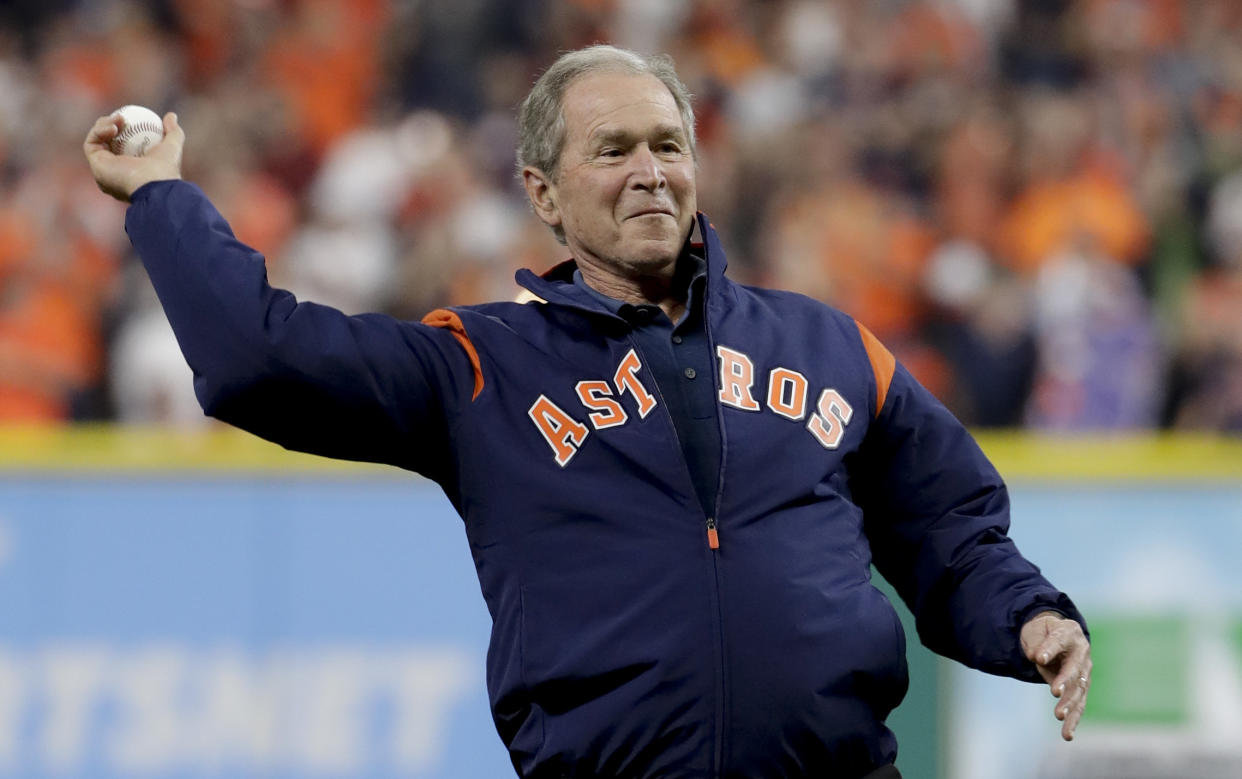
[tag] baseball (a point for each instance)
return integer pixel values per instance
(142, 129)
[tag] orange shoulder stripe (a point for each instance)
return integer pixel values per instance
(442, 317)
(883, 365)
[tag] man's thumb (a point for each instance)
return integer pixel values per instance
(172, 129)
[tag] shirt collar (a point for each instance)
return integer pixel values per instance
(555, 286)
(691, 264)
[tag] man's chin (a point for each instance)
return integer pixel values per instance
(652, 253)
(654, 241)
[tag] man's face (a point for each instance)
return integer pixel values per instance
(624, 192)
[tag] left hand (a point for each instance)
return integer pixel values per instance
(1062, 655)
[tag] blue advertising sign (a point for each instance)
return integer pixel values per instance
(234, 627)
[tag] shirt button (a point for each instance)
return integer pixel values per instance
(690, 374)
(677, 339)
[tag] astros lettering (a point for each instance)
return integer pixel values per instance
(787, 395)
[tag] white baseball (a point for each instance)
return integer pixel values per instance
(142, 129)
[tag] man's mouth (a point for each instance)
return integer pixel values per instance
(651, 212)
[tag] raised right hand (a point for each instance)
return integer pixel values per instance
(120, 175)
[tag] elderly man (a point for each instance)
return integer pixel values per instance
(673, 486)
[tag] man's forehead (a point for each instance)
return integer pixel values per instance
(619, 131)
(611, 100)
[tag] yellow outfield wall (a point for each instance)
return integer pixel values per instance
(217, 449)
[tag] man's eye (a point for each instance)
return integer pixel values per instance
(610, 153)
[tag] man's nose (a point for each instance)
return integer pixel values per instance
(646, 171)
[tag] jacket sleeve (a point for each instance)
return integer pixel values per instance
(303, 375)
(937, 517)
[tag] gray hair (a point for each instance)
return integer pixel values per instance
(541, 118)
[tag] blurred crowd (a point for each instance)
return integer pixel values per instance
(1036, 204)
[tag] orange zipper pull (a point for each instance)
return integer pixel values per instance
(713, 538)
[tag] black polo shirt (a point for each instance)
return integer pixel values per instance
(679, 357)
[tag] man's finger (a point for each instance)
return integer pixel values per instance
(1072, 698)
(1057, 643)
(1074, 665)
(168, 150)
(1050, 661)
(172, 127)
(1073, 692)
(1060, 639)
(1035, 633)
(1070, 710)
(1071, 721)
(101, 134)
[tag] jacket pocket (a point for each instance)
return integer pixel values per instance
(893, 681)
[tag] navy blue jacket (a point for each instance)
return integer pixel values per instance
(633, 636)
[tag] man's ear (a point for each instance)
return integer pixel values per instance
(539, 189)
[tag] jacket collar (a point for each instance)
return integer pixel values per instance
(557, 286)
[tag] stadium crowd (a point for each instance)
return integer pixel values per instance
(1036, 204)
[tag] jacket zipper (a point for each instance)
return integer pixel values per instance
(713, 536)
(713, 543)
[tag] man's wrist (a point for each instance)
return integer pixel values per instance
(142, 189)
(1047, 612)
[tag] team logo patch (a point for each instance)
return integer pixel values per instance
(787, 395)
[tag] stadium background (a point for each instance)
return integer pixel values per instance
(1037, 205)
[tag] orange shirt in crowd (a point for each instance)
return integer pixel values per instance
(854, 247)
(327, 66)
(1055, 215)
(50, 343)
